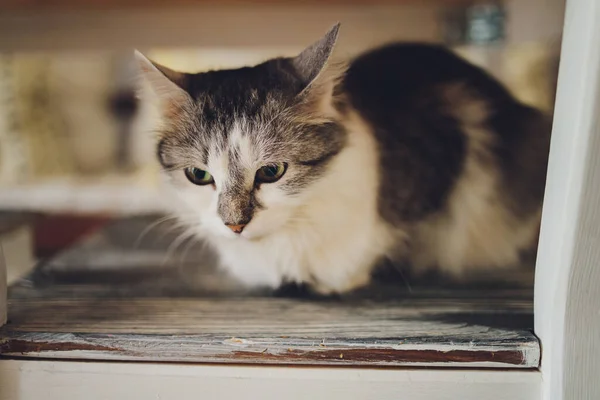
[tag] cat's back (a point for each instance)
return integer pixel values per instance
(397, 74)
(462, 162)
(418, 101)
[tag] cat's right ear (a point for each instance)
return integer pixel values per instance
(312, 61)
(166, 84)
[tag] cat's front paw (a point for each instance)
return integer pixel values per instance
(292, 290)
(302, 291)
(341, 286)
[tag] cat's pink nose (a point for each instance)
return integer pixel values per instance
(236, 228)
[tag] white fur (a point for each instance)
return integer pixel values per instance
(330, 234)
(476, 231)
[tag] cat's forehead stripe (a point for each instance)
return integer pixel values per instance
(240, 144)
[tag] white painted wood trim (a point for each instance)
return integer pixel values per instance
(567, 290)
(34, 380)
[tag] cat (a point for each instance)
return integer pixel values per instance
(308, 171)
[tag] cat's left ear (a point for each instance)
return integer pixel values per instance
(312, 61)
(166, 84)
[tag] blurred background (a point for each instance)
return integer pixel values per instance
(74, 140)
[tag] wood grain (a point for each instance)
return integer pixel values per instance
(263, 331)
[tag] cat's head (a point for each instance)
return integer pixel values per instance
(243, 148)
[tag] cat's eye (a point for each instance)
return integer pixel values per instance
(199, 176)
(271, 172)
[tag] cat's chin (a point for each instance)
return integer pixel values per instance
(216, 231)
(244, 236)
(251, 236)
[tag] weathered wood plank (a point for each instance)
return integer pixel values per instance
(260, 317)
(264, 331)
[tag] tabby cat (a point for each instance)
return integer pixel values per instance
(302, 170)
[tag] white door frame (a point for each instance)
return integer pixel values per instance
(567, 285)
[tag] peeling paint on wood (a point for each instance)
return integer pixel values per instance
(178, 348)
(24, 347)
(389, 356)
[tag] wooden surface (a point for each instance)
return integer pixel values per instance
(48, 380)
(265, 331)
(567, 291)
(126, 293)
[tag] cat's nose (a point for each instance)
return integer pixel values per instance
(236, 228)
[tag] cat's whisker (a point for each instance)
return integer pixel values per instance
(178, 241)
(403, 276)
(178, 224)
(192, 241)
(150, 227)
